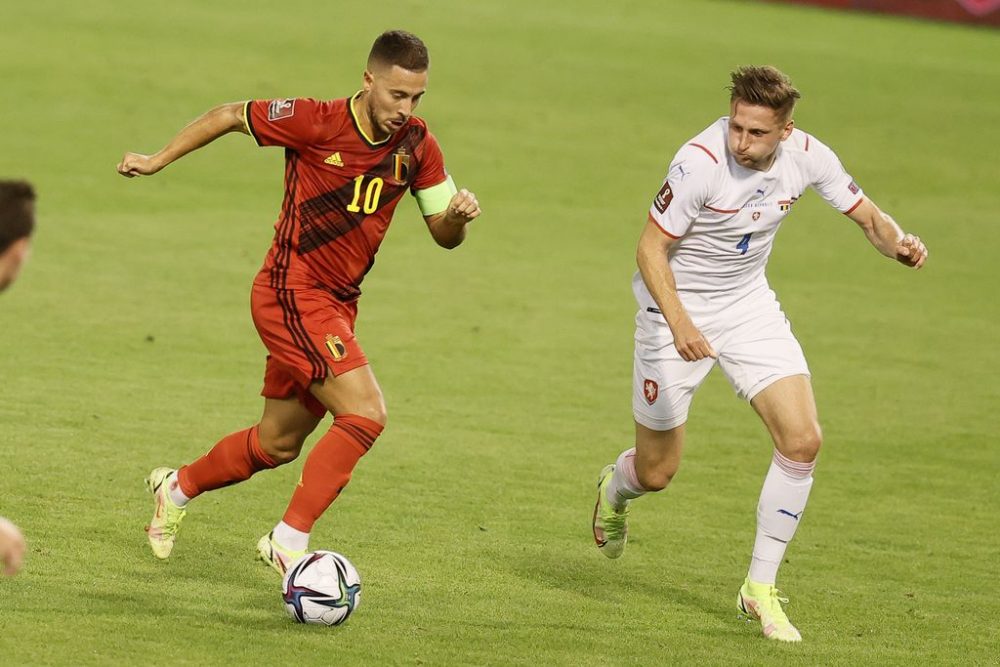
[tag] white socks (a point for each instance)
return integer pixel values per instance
(782, 502)
(624, 484)
(174, 489)
(291, 538)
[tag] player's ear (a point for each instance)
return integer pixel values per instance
(12, 259)
(368, 79)
(787, 132)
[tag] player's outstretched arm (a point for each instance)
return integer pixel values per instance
(887, 237)
(202, 130)
(651, 256)
(448, 226)
(12, 548)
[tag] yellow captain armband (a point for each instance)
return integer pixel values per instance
(435, 199)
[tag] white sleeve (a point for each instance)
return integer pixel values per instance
(831, 180)
(684, 193)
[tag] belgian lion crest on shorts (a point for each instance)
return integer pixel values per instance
(651, 391)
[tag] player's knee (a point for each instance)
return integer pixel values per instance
(803, 446)
(656, 478)
(283, 456)
(281, 447)
(373, 410)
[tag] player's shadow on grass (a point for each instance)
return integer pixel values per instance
(248, 605)
(192, 583)
(588, 574)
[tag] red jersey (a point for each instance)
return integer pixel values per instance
(341, 189)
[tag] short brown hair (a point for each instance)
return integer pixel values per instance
(398, 47)
(764, 86)
(17, 212)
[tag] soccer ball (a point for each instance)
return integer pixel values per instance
(321, 587)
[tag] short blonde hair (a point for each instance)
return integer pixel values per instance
(764, 86)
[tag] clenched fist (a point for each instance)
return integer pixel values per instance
(911, 251)
(463, 207)
(134, 164)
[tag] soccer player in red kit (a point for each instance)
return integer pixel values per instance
(348, 162)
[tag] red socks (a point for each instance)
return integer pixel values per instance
(325, 474)
(233, 459)
(328, 468)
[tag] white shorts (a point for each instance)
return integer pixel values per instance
(755, 345)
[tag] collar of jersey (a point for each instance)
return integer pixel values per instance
(357, 124)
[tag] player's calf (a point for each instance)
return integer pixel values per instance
(326, 472)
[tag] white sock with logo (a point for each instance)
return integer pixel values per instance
(782, 502)
(174, 489)
(291, 538)
(624, 484)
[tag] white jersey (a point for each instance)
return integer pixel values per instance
(726, 215)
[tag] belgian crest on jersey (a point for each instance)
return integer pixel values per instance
(401, 165)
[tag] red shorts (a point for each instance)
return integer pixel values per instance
(308, 335)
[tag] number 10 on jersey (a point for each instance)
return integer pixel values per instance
(372, 193)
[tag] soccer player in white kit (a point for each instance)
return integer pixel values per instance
(704, 300)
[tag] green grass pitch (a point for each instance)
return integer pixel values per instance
(506, 364)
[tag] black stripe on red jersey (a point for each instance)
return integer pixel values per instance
(293, 322)
(325, 218)
(286, 228)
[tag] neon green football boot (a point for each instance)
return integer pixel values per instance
(276, 556)
(610, 525)
(162, 528)
(762, 602)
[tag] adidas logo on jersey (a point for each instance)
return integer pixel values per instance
(335, 160)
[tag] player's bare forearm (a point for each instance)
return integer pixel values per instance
(880, 229)
(203, 130)
(651, 256)
(447, 232)
(448, 227)
(887, 236)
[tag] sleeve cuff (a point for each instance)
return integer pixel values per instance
(249, 123)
